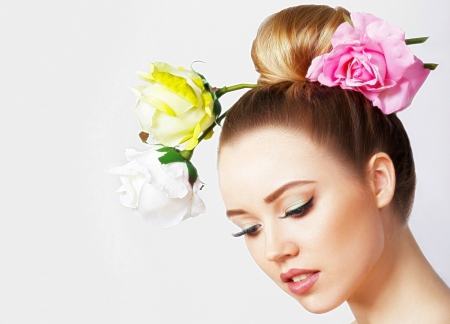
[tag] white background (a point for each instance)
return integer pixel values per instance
(69, 252)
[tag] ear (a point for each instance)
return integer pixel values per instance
(382, 178)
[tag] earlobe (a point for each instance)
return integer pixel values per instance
(382, 177)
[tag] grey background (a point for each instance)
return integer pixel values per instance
(69, 252)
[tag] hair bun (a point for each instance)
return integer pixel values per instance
(289, 40)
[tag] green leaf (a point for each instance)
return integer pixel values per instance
(430, 66)
(217, 109)
(174, 155)
(418, 40)
(164, 149)
(193, 174)
(171, 156)
(349, 20)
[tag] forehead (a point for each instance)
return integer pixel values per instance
(261, 161)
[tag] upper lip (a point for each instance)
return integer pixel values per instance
(287, 276)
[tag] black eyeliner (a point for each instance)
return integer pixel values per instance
(246, 230)
(298, 210)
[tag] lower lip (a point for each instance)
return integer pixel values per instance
(303, 286)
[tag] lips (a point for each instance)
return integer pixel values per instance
(301, 277)
(300, 281)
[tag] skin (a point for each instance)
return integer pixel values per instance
(351, 232)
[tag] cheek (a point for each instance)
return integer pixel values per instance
(358, 239)
(255, 246)
(350, 240)
(353, 229)
(257, 249)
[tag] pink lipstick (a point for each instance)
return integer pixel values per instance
(299, 281)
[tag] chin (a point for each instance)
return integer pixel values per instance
(316, 305)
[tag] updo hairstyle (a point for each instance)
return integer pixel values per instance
(342, 120)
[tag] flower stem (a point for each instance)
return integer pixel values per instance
(419, 40)
(222, 91)
(187, 154)
(210, 128)
(430, 66)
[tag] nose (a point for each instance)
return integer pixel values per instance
(278, 247)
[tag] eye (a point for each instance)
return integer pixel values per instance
(298, 211)
(251, 231)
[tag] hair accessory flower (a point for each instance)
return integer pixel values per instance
(179, 109)
(371, 56)
(163, 194)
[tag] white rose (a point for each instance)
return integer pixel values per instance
(175, 106)
(160, 193)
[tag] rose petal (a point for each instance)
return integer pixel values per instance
(401, 95)
(381, 30)
(371, 46)
(174, 169)
(345, 33)
(378, 63)
(361, 20)
(343, 65)
(188, 75)
(316, 67)
(131, 154)
(159, 210)
(197, 207)
(176, 104)
(393, 99)
(171, 130)
(144, 114)
(398, 58)
(172, 187)
(179, 171)
(132, 180)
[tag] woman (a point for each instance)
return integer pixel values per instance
(321, 182)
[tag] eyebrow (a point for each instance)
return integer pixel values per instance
(235, 212)
(273, 196)
(277, 193)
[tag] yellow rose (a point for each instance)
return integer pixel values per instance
(175, 107)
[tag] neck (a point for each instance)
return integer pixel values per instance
(403, 287)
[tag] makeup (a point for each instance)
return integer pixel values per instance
(298, 210)
(299, 281)
(249, 230)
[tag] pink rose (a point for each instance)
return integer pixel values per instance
(374, 59)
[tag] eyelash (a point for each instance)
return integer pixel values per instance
(249, 231)
(297, 212)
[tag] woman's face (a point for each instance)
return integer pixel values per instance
(312, 228)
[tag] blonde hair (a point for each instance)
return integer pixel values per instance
(289, 40)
